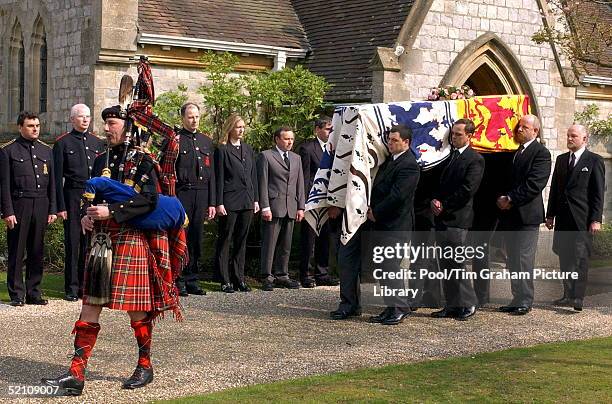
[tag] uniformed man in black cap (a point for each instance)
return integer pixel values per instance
(28, 206)
(73, 156)
(196, 190)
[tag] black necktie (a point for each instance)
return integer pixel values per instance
(518, 152)
(572, 162)
(286, 159)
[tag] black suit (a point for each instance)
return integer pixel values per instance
(458, 185)
(392, 204)
(311, 153)
(530, 172)
(576, 201)
(237, 191)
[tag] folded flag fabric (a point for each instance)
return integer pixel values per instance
(359, 141)
(168, 214)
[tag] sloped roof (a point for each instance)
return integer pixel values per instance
(592, 20)
(262, 22)
(344, 36)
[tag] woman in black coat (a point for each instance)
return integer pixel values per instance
(237, 201)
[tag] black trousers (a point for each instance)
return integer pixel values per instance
(28, 235)
(574, 248)
(75, 243)
(480, 235)
(349, 266)
(232, 232)
(195, 202)
(311, 244)
(458, 291)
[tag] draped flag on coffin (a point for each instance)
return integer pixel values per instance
(359, 140)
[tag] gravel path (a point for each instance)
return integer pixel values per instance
(258, 337)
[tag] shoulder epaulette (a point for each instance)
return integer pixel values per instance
(7, 143)
(40, 141)
(61, 136)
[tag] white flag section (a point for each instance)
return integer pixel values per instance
(359, 141)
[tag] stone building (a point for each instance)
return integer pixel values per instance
(54, 53)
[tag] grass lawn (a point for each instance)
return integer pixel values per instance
(577, 371)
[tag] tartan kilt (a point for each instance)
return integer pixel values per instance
(141, 275)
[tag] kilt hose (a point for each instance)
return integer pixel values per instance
(144, 269)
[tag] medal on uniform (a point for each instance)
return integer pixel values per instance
(45, 171)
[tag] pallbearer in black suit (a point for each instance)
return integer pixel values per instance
(311, 152)
(575, 208)
(452, 208)
(28, 207)
(392, 214)
(196, 190)
(73, 156)
(237, 201)
(522, 212)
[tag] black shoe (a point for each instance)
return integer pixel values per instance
(71, 298)
(286, 283)
(344, 314)
(227, 288)
(195, 290)
(444, 313)
(309, 283)
(39, 301)
(507, 309)
(267, 286)
(67, 385)
(382, 316)
(16, 303)
(183, 292)
(140, 378)
(327, 281)
(465, 312)
(578, 304)
(564, 301)
(243, 287)
(396, 317)
(521, 311)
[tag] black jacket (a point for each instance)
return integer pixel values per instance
(530, 172)
(392, 200)
(310, 152)
(582, 194)
(458, 185)
(194, 165)
(236, 176)
(27, 172)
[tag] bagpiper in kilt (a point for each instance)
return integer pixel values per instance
(144, 265)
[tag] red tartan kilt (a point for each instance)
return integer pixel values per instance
(131, 279)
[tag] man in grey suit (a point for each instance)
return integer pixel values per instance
(281, 198)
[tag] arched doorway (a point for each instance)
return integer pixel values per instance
(484, 81)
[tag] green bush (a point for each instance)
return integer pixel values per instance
(602, 242)
(54, 246)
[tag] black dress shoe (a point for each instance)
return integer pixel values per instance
(67, 385)
(309, 283)
(465, 313)
(382, 316)
(344, 314)
(578, 304)
(16, 303)
(71, 298)
(506, 309)
(267, 286)
(39, 301)
(227, 288)
(327, 281)
(195, 290)
(564, 301)
(183, 292)
(396, 317)
(444, 313)
(287, 283)
(243, 287)
(140, 378)
(521, 310)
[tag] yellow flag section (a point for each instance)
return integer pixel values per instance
(496, 118)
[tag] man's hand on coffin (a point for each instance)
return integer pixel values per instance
(99, 212)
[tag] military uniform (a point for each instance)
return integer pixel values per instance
(196, 190)
(28, 192)
(73, 157)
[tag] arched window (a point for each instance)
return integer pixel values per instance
(43, 77)
(16, 73)
(39, 66)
